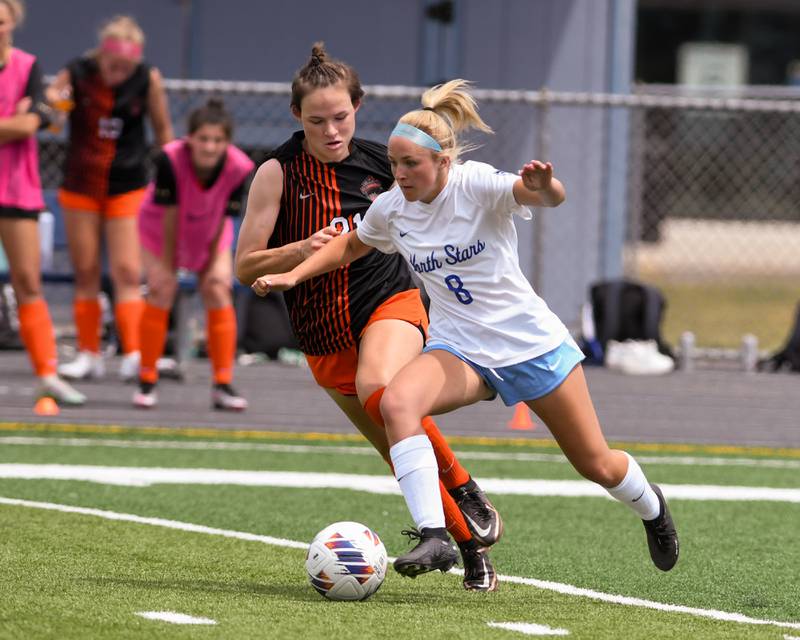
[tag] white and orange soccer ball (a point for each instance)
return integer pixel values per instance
(346, 561)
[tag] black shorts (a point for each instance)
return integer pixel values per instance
(16, 212)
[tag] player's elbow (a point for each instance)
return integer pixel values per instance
(243, 274)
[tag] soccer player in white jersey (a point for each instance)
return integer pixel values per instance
(490, 333)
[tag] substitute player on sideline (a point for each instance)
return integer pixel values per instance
(361, 324)
(22, 112)
(185, 223)
(112, 90)
(490, 333)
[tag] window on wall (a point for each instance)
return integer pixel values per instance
(758, 39)
(440, 58)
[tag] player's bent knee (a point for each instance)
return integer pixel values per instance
(397, 404)
(125, 275)
(161, 294)
(600, 471)
(26, 285)
(215, 290)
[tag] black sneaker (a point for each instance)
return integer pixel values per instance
(479, 573)
(482, 518)
(662, 539)
(434, 551)
(225, 398)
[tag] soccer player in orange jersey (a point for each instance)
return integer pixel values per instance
(112, 90)
(362, 323)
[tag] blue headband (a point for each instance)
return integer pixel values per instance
(417, 136)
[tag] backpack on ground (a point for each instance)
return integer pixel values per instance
(788, 358)
(622, 310)
(266, 327)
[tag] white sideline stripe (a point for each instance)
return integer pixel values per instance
(648, 604)
(785, 637)
(386, 484)
(529, 629)
(204, 445)
(565, 589)
(174, 618)
(156, 522)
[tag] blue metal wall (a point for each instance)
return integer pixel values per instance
(565, 45)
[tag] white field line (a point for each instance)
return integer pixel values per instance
(385, 484)
(174, 618)
(528, 628)
(565, 589)
(205, 445)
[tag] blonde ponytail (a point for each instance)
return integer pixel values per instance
(447, 110)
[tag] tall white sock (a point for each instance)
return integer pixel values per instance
(636, 492)
(418, 475)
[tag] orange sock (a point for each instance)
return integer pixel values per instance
(152, 335)
(221, 332)
(453, 518)
(128, 316)
(451, 472)
(87, 323)
(36, 331)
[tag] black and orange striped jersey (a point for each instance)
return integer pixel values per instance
(107, 145)
(329, 312)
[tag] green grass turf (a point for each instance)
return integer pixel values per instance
(321, 460)
(77, 576)
(719, 314)
(73, 576)
(69, 575)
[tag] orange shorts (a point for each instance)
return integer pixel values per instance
(338, 370)
(122, 205)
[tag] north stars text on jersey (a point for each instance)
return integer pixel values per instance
(452, 255)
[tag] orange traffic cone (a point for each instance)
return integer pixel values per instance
(522, 418)
(45, 406)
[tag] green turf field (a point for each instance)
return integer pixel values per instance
(577, 564)
(719, 314)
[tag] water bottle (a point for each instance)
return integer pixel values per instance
(686, 360)
(749, 352)
(47, 226)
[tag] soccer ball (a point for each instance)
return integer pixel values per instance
(346, 561)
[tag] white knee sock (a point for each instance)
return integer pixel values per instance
(636, 492)
(418, 475)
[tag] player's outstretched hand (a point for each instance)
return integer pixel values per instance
(536, 175)
(273, 282)
(322, 237)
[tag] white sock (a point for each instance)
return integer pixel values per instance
(636, 492)
(418, 475)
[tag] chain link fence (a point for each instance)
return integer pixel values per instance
(710, 206)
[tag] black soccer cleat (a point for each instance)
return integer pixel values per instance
(479, 574)
(434, 551)
(662, 539)
(482, 518)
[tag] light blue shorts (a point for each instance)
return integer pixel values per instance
(526, 380)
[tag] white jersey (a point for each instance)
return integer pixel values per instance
(463, 246)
